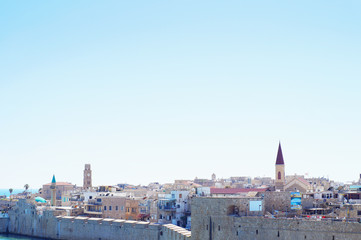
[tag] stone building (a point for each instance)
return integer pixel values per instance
(220, 219)
(298, 184)
(113, 207)
(229, 192)
(132, 211)
(61, 187)
(166, 208)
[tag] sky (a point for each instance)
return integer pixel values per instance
(153, 91)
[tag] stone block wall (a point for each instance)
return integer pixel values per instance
(210, 221)
(3, 224)
(280, 201)
(26, 220)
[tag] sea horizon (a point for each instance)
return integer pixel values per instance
(4, 191)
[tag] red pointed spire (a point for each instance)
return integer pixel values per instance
(279, 160)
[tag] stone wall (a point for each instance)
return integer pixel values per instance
(210, 221)
(280, 201)
(3, 224)
(25, 219)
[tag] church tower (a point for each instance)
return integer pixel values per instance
(280, 170)
(87, 183)
(53, 191)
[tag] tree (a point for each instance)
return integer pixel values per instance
(11, 191)
(26, 186)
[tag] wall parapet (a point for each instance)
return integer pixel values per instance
(173, 232)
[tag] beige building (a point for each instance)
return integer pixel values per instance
(350, 211)
(298, 184)
(61, 188)
(113, 207)
(132, 209)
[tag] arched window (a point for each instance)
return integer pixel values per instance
(279, 175)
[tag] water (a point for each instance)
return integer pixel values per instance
(17, 237)
(15, 191)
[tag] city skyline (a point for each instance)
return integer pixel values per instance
(154, 91)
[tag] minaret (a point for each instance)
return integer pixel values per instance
(87, 183)
(53, 191)
(280, 170)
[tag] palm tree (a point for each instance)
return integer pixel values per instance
(11, 191)
(26, 186)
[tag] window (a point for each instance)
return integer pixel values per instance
(90, 197)
(359, 212)
(122, 208)
(178, 206)
(110, 208)
(180, 195)
(134, 210)
(105, 208)
(219, 228)
(279, 175)
(116, 208)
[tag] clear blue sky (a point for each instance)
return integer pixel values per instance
(162, 90)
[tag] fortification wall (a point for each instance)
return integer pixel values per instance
(3, 224)
(25, 220)
(249, 228)
(210, 221)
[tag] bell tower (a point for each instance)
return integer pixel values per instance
(87, 183)
(280, 180)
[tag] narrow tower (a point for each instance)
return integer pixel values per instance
(87, 183)
(53, 191)
(280, 170)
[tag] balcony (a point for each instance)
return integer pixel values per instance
(167, 204)
(167, 208)
(94, 202)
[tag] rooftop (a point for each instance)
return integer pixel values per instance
(60, 184)
(236, 190)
